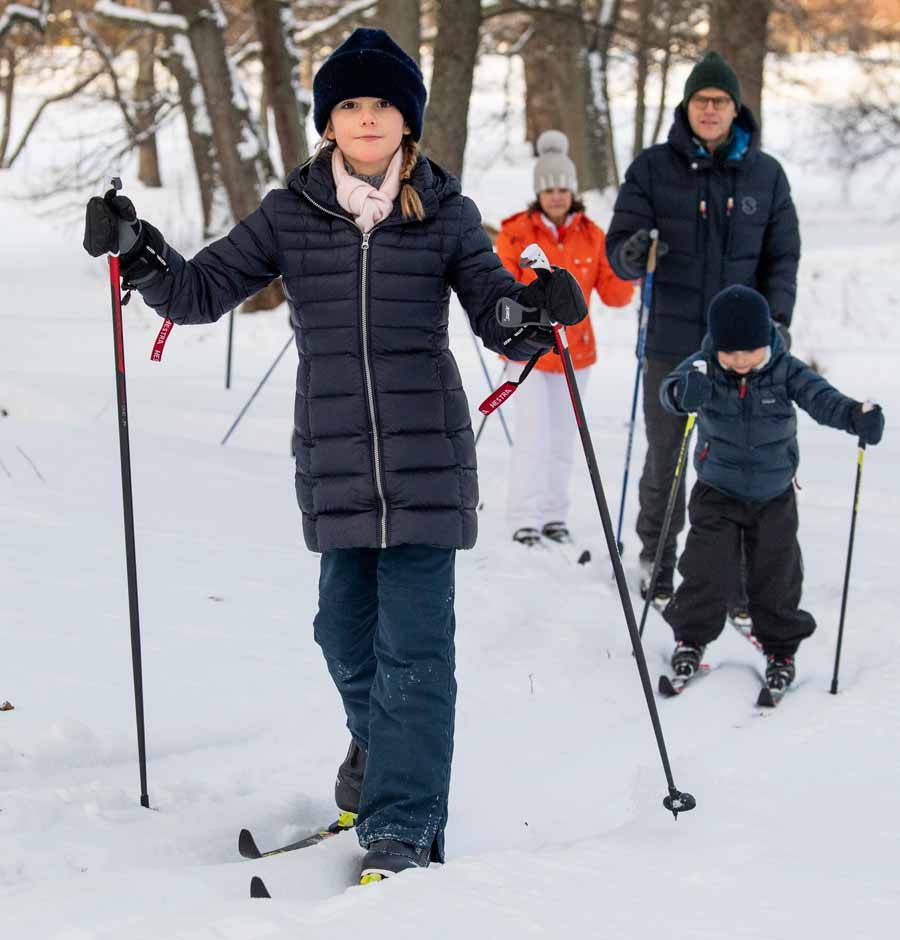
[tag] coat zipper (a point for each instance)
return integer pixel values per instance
(367, 365)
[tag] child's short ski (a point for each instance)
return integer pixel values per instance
(258, 888)
(670, 686)
(769, 697)
(248, 848)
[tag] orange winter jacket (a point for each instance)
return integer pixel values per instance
(581, 249)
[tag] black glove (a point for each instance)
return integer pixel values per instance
(559, 294)
(868, 426)
(111, 226)
(785, 334)
(692, 391)
(634, 253)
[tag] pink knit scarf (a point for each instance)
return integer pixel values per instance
(367, 205)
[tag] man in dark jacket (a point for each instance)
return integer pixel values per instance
(746, 457)
(724, 213)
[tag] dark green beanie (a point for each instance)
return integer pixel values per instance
(712, 71)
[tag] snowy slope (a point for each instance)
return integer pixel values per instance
(557, 827)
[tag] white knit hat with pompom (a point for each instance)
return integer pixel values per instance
(553, 168)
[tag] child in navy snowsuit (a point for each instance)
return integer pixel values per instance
(369, 238)
(746, 457)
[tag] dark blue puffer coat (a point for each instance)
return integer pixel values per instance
(747, 434)
(384, 449)
(727, 219)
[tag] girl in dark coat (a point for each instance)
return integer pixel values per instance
(369, 238)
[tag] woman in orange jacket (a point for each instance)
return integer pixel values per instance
(542, 455)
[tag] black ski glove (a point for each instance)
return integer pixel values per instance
(868, 426)
(692, 391)
(111, 226)
(559, 294)
(634, 252)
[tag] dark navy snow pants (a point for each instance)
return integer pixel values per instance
(386, 626)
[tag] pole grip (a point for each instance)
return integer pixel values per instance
(654, 244)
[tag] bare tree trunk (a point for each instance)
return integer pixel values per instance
(664, 71)
(402, 19)
(455, 52)
(738, 30)
(604, 142)
(642, 59)
(275, 27)
(560, 89)
(237, 145)
(179, 60)
(8, 81)
(145, 110)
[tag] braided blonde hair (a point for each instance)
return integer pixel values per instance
(410, 201)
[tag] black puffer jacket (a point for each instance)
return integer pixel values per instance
(727, 219)
(747, 433)
(384, 449)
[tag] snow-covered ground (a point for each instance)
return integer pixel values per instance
(557, 827)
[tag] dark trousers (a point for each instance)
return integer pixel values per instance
(664, 434)
(709, 568)
(386, 626)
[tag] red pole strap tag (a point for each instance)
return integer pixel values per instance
(496, 399)
(161, 337)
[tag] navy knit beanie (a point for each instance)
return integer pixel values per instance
(712, 71)
(369, 64)
(739, 319)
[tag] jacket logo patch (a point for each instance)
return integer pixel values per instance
(768, 401)
(748, 205)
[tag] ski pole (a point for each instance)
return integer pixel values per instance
(485, 417)
(128, 511)
(859, 468)
(676, 801)
(228, 354)
(643, 317)
(262, 382)
(487, 377)
(670, 509)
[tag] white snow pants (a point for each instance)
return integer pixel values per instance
(543, 450)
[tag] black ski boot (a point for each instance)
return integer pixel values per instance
(663, 589)
(780, 673)
(686, 659)
(350, 779)
(557, 532)
(527, 536)
(387, 857)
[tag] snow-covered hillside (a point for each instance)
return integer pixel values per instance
(557, 827)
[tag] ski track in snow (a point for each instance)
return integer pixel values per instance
(557, 827)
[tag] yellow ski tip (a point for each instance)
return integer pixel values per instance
(371, 877)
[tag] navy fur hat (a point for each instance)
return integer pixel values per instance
(739, 319)
(368, 63)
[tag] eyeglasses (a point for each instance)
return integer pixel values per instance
(719, 102)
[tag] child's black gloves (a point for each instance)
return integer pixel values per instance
(692, 391)
(559, 294)
(868, 426)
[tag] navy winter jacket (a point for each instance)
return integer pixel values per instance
(747, 434)
(727, 219)
(384, 449)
